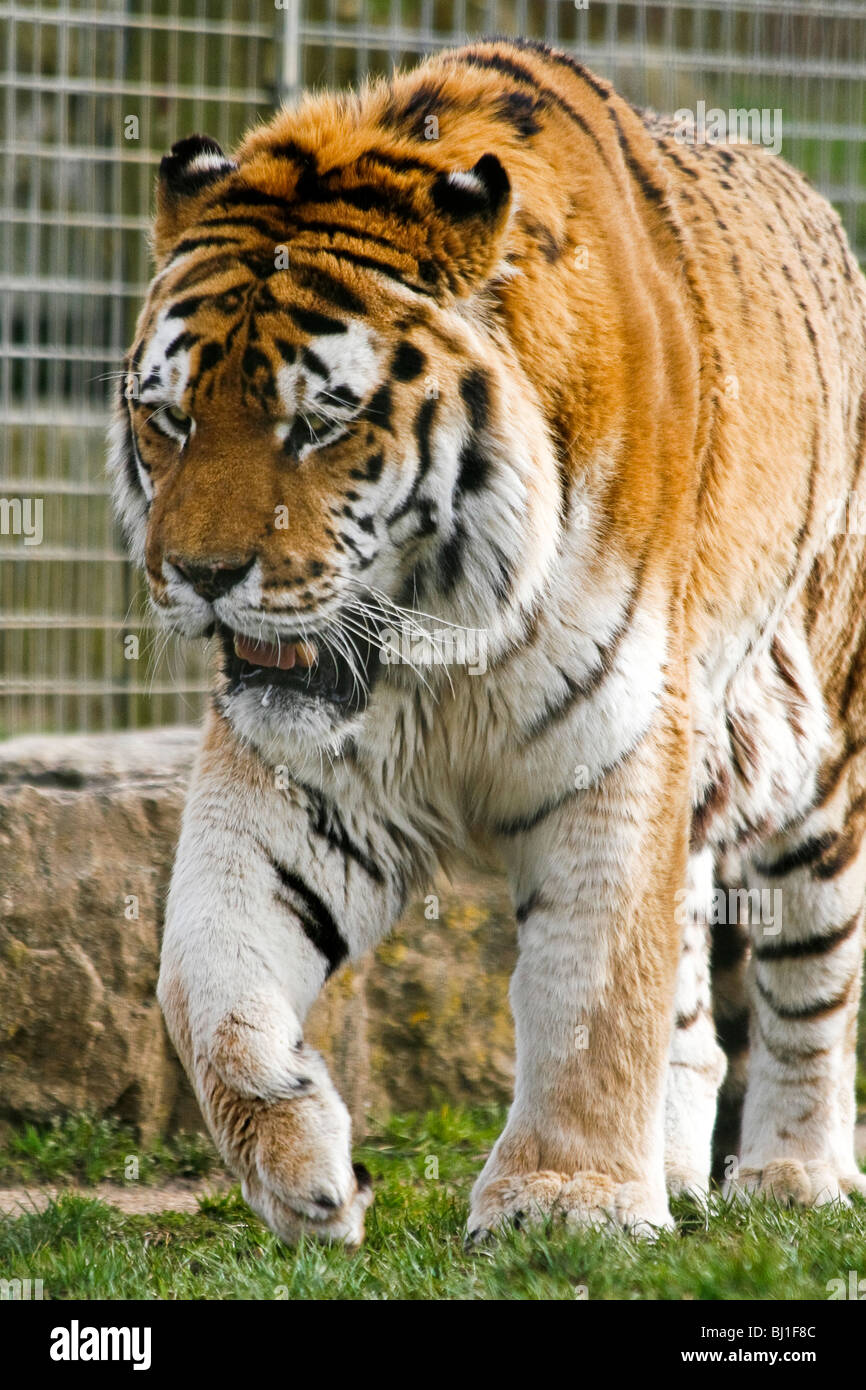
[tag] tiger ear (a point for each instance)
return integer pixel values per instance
(472, 207)
(193, 165)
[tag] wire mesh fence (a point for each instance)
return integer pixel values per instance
(91, 94)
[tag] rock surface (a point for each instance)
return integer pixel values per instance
(88, 826)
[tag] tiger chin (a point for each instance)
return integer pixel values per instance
(565, 383)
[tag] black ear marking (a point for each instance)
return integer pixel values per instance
(193, 164)
(480, 191)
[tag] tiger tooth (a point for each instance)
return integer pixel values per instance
(306, 653)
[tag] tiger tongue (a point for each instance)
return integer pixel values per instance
(282, 656)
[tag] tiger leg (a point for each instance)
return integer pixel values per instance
(696, 1063)
(595, 884)
(804, 981)
(268, 895)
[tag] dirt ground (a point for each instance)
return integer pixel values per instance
(181, 1194)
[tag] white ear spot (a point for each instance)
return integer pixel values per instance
(205, 162)
(465, 179)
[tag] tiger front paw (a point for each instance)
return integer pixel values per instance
(577, 1199)
(291, 1151)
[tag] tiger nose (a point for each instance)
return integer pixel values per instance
(211, 579)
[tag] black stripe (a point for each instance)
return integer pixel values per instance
(810, 332)
(328, 824)
(276, 234)
(474, 470)
(575, 690)
(685, 1021)
(792, 193)
(744, 748)
(194, 243)
(372, 470)
(854, 677)
(314, 323)
(388, 202)
(399, 163)
(422, 429)
(860, 449)
(650, 190)
(509, 68)
(801, 857)
(182, 308)
(831, 774)
(339, 229)
(315, 917)
(804, 1013)
(259, 265)
(181, 342)
(565, 60)
(344, 396)
(288, 351)
(531, 819)
(848, 262)
(426, 98)
(681, 164)
(475, 391)
(131, 458)
(810, 946)
(787, 1055)
(247, 196)
(845, 852)
(210, 355)
(521, 110)
(204, 270)
(253, 359)
(783, 665)
(449, 561)
(714, 798)
(525, 909)
(330, 289)
(289, 149)
(378, 408)
(550, 248)
(314, 363)
(368, 263)
(805, 524)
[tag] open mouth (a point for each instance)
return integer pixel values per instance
(309, 668)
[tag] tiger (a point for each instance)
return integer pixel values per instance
(480, 361)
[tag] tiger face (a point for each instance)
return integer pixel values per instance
(317, 429)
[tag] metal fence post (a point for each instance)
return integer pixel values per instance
(289, 26)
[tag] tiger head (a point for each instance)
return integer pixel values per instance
(323, 432)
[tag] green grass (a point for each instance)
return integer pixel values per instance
(84, 1150)
(82, 1248)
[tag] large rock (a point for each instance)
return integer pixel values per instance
(88, 826)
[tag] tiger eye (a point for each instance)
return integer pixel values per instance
(178, 417)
